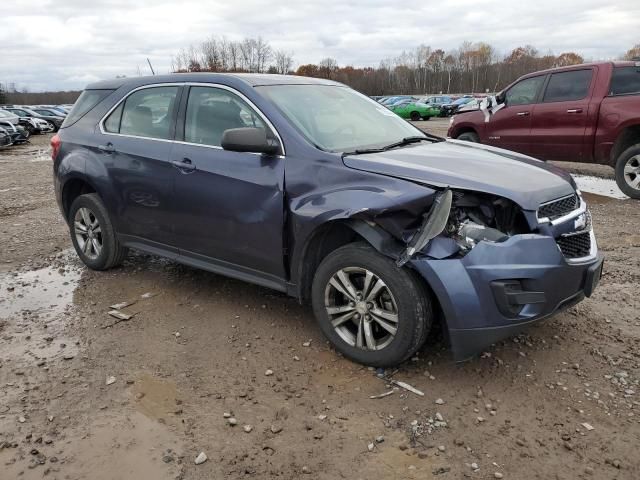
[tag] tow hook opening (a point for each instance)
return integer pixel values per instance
(511, 297)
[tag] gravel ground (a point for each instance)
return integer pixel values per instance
(241, 373)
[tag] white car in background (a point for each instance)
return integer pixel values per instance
(9, 117)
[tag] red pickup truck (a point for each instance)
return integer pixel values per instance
(583, 113)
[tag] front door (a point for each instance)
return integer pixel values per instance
(560, 121)
(231, 204)
(135, 149)
(510, 126)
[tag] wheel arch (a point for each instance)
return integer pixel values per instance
(334, 234)
(323, 240)
(629, 136)
(72, 188)
(465, 129)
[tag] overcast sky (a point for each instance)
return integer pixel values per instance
(64, 44)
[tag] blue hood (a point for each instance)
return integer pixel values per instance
(470, 166)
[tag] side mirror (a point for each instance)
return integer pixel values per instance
(501, 97)
(249, 139)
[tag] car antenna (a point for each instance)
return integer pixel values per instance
(149, 62)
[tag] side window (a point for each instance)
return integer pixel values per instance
(625, 80)
(566, 86)
(525, 91)
(112, 123)
(145, 113)
(211, 111)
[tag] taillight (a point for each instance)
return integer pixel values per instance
(55, 146)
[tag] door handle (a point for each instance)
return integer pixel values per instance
(108, 148)
(574, 110)
(523, 114)
(185, 165)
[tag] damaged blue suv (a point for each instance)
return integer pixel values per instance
(307, 187)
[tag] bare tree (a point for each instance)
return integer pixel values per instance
(327, 67)
(473, 67)
(283, 61)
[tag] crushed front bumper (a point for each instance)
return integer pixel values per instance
(497, 289)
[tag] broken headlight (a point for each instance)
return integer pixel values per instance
(476, 217)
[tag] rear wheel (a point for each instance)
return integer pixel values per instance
(372, 311)
(415, 116)
(628, 171)
(469, 137)
(93, 235)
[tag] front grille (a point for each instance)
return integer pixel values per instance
(558, 208)
(575, 245)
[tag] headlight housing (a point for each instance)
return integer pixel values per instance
(476, 217)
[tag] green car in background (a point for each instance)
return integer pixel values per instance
(414, 110)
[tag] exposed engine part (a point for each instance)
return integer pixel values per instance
(475, 217)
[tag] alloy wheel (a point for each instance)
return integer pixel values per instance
(88, 233)
(361, 308)
(632, 172)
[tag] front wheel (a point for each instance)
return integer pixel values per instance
(415, 116)
(628, 172)
(372, 311)
(93, 235)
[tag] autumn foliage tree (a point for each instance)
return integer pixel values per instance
(473, 67)
(632, 53)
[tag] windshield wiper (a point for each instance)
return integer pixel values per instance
(401, 143)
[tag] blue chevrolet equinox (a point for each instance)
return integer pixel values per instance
(308, 187)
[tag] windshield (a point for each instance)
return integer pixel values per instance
(338, 119)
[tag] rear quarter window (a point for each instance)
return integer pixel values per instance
(86, 101)
(625, 81)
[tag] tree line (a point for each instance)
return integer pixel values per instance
(470, 68)
(9, 94)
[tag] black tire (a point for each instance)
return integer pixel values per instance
(112, 252)
(469, 137)
(412, 299)
(631, 157)
(30, 129)
(415, 116)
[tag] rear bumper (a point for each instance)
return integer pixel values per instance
(498, 289)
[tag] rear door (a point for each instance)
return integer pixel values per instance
(560, 120)
(136, 139)
(230, 204)
(510, 126)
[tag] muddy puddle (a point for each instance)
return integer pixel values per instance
(599, 190)
(154, 397)
(34, 307)
(113, 447)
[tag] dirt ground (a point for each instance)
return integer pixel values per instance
(83, 396)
